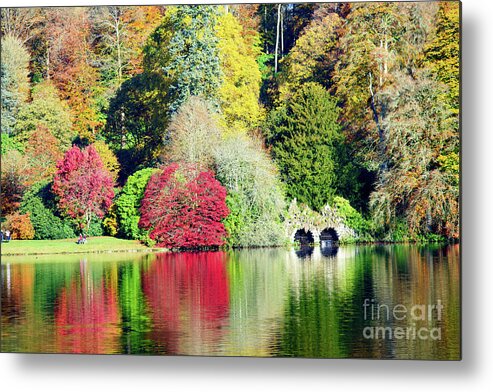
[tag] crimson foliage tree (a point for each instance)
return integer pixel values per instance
(184, 208)
(83, 186)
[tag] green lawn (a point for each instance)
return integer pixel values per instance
(94, 244)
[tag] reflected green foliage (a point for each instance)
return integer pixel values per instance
(135, 320)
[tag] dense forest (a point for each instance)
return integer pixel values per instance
(200, 126)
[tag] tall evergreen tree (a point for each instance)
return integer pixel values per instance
(306, 142)
(184, 50)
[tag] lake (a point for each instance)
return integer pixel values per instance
(375, 301)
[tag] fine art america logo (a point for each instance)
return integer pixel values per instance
(413, 316)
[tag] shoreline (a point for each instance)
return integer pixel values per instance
(95, 245)
(140, 248)
(109, 251)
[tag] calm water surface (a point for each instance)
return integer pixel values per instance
(268, 302)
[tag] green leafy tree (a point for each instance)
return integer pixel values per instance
(9, 101)
(313, 57)
(306, 141)
(14, 80)
(442, 54)
(137, 121)
(240, 90)
(127, 206)
(184, 49)
(48, 110)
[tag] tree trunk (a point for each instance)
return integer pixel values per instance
(282, 34)
(381, 134)
(48, 63)
(277, 37)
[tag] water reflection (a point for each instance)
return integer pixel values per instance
(269, 302)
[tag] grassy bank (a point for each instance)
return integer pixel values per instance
(93, 245)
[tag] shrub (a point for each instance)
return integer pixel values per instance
(184, 208)
(40, 205)
(353, 219)
(20, 226)
(95, 228)
(127, 205)
(110, 222)
(110, 162)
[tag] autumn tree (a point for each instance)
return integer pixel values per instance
(111, 31)
(443, 52)
(420, 188)
(120, 34)
(369, 56)
(69, 64)
(84, 188)
(240, 90)
(109, 159)
(184, 208)
(20, 226)
(22, 23)
(249, 19)
(46, 110)
(43, 153)
(313, 57)
(14, 177)
(193, 134)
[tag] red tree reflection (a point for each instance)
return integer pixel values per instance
(188, 296)
(87, 314)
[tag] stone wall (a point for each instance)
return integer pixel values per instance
(302, 217)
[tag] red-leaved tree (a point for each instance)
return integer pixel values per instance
(84, 188)
(184, 208)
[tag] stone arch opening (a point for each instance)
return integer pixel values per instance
(303, 237)
(328, 237)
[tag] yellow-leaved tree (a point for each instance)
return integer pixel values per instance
(240, 90)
